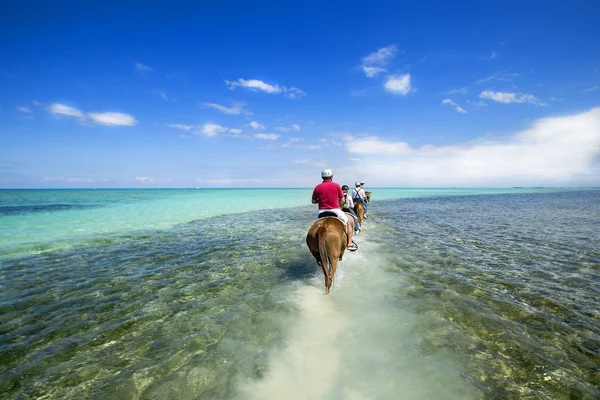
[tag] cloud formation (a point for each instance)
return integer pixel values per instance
(454, 105)
(257, 125)
(236, 109)
(551, 151)
(23, 109)
(112, 119)
(141, 68)
(507, 98)
(212, 129)
(266, 136)
(107, 118)
(398, 84)
(490, 57)
(293, 128)
(258, 85)
(61, 109)
(375, 63)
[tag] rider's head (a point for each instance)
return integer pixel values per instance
(327, 173)
(362, 183)
(345, 187)
(357, 184)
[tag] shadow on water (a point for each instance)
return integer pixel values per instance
(28, 209)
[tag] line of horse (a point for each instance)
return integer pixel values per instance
(326, 239)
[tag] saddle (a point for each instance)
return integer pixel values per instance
(330, 214)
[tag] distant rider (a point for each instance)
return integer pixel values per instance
(358, 194)
(348, 206)
(329, 196)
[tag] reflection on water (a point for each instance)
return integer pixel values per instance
(453, 298)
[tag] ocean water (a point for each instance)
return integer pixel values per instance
(212, 294)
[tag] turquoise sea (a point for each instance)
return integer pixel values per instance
(212, 294)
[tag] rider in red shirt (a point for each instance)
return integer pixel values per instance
(329, 196)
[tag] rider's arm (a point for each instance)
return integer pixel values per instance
(341, 201)
(315, 199)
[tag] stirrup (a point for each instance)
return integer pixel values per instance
(352, 246)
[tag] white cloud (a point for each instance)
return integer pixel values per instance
(79, 180)
(478, 103)
(62, 109)
(591, 89)
(294, 128)
(23, 109)
(293, 93)
(398, 84)
(107, 118)
(52, 179)
(164, 96)
(182, 127)
(257, 125)
(504, 77)
(236, 109)
(490, 57)
(255, 84)
(141, 68)
(373, 71)
(373, 145)
(144, 179)
(507, 98)
(454, 105)
(462, 90)
(373, 64)
(556, 151)
(266, 136)
(112, 119)
(212, 129)
(206, 129)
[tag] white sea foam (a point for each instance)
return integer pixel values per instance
(354, 343)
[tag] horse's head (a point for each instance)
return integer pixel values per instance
(368, 196)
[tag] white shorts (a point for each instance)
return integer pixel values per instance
(340, 214)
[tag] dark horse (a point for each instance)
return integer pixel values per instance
(326, 240)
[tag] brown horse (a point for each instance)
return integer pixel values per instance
(359, 208)
(326, 240)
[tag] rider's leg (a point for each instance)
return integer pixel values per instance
(356, 226)
(364, 204)
(345, 218)
(349, 231)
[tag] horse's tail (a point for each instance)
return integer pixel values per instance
(324, 252)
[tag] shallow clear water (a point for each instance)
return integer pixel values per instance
(450, 297)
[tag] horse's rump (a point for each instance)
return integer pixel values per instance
(326, 240)
(359, 209)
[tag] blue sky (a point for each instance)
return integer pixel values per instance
(231, 94)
